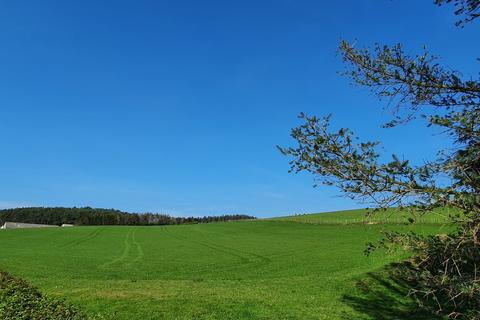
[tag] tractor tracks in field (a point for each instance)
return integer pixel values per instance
(132, 251)
(245, 257)
(75, 242)
(138, 249)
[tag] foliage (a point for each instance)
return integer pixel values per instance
(468, 8)
(19, 300)
(94, 216)
(416, 87)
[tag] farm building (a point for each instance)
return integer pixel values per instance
(18, 225)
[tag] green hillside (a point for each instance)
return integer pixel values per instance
(268, 269)
(393, 215)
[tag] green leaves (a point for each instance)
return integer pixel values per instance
(470, 9)
(19, 300)
(448, 266)
(338, 158)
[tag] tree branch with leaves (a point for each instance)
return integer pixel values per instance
(445, 269)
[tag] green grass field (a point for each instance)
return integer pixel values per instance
(439, 216)
(266, 269)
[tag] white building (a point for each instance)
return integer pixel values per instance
(18, 225)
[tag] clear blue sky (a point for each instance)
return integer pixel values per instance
(177, 106)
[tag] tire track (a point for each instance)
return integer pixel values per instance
(129, 244)
(138, 249)
(255, 255)
(244, 256)
(243, 252)
(183, 239)
(125, 252)
(82, 239)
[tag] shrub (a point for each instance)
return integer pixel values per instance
(19, 300)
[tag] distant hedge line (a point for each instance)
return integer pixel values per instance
(93, 216)
(20, 301)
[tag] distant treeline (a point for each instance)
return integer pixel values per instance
(93, 216)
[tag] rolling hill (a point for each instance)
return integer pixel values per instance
(262, 269)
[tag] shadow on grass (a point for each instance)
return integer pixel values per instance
(384, 295)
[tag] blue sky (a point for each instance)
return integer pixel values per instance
(177, 106)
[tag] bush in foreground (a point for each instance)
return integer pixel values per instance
(19, 300)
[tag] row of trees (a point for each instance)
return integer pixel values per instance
(95, 216)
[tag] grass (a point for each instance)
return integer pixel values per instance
(270, 269)
(439, 216)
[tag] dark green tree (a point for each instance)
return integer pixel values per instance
(96, 216)
(444, 269)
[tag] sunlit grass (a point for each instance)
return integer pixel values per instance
(237, 270)
(395, 216)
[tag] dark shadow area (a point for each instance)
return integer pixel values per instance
(384, 295)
